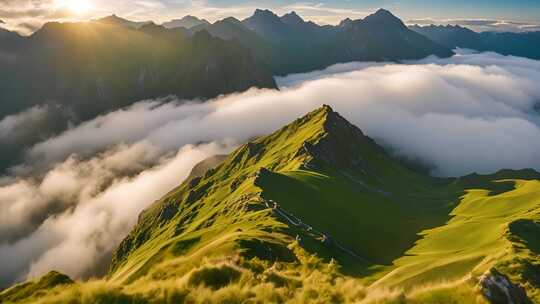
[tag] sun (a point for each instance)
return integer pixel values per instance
(78, 7)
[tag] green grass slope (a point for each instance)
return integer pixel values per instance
(322, 182)
(485, 231)
(317, 212)
(319, 169)
(31, 291)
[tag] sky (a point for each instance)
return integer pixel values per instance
(25, 16)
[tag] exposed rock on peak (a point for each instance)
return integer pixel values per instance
(498, 289)
(264, 13)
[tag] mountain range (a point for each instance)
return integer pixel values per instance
(516, 44)
(78, 71)
(70, 64)
(291, 45)
(319, 212)
(150, 59)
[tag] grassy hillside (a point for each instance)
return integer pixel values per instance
(485, 231)
(31, 291)
(318, 212)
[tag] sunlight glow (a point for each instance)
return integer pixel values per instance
(78, 7)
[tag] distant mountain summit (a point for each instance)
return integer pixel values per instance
(267, 24)
(383, 19)
(292, 19)
(118, 21)
(187, 22)
(382, 36)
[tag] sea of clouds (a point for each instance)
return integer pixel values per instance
(78, 194)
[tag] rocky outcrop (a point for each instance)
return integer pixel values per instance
(498, 289)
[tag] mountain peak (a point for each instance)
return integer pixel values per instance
(232, 20)
(383, 12)
(325, 116)
(267, 24)
(119, 21)
(340, 144)
(194, 19)
(265, 13)
(264, 17)
(112, 18)
(292, 18)
(326, 108)
(190, 17)
(345, 22)
(188, 22)
(383, 18)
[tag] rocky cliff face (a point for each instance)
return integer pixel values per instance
(498, 289)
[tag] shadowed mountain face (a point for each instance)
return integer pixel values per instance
(517, 44)
(95, 67)
(9, 42)
(290, 45)
(392, 41)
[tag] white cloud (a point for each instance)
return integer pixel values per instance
(12, 126)
(81, 209)
(486, 89)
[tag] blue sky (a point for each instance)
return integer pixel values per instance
(525, 10)
(493, 14)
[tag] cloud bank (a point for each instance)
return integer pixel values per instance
(73, 218)
(469, 113)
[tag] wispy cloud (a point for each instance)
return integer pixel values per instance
(324, 14)
(481, 25)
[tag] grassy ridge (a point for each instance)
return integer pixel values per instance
(486, 231)
(218, 209)
(318, 212)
